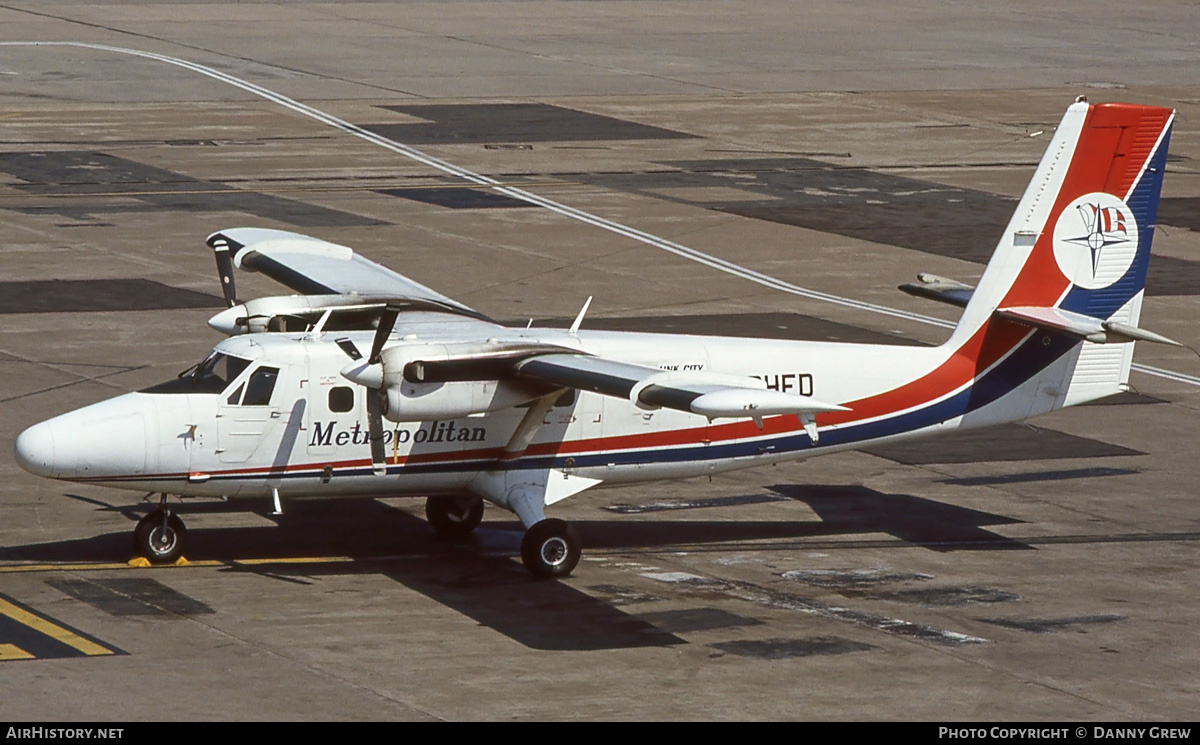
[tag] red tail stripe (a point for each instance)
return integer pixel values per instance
(1114, 145)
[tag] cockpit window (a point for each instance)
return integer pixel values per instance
(212, 375)
(219, 370)
(261, 386)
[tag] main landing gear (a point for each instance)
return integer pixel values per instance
(550, 548)
(454, 516)
(160, 537)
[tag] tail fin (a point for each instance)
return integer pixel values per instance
(1073, 258)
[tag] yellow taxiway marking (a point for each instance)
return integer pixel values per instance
(13, 652)
(93, 567)
(138, 563)
(295, 560)
(54, 631)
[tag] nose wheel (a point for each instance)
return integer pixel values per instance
(160, 537)
(551, 548)
(453, 516)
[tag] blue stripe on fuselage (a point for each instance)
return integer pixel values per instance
(1033, 355)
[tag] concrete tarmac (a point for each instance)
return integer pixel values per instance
(1040, 572)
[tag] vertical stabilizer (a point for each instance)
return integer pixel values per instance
(1074, 256)
(1080, 237)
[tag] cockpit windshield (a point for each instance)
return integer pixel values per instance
(212, 375)
(218, 370)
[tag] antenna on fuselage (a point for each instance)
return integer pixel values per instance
(579, 318)
(315, 332)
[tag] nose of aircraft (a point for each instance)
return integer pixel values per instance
(35, 450)
(105, 439)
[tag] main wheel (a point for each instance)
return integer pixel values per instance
(161, 545)
(551, 548)
(453, 516)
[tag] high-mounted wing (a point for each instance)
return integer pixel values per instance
(713, 395)
(312, 266)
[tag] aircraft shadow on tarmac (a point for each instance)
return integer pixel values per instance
(477, 577)
(480, 576)
(844, 511)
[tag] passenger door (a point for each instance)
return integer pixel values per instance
(247, 415)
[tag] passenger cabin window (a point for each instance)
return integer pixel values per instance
(341, 399)
(260, 386)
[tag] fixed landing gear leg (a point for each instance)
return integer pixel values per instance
(160, 536)
(551, 548)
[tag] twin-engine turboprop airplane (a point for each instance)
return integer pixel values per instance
(304, 399)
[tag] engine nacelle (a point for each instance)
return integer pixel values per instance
(442, 381)
(419, 402)
(297, 313)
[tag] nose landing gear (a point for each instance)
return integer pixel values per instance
(160, 537)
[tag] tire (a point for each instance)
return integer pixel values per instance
(550, 549)
(453, 516)
(150, 542)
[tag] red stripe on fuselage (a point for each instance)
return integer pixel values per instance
(988, 345)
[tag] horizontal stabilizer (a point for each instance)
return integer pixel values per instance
(1083, 326)
(933, 287)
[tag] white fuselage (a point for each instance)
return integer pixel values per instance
(309, 437)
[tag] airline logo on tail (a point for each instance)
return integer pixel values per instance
(1095, 240)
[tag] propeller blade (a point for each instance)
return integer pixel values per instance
(375, 407)
(386, 321)
(221, 249)
(348, 347)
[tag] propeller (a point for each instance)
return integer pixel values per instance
(387, 320)
(370, 376)
(223, 249)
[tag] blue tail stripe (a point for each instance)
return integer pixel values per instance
(1143, 203)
